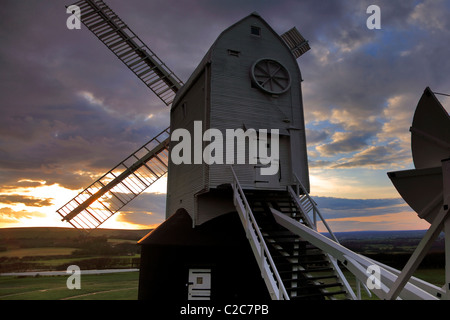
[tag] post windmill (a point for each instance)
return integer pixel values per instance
(231, 231)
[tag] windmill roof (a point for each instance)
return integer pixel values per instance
(207, 58)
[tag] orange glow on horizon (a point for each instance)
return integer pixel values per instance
(387, 222)
(40, 214)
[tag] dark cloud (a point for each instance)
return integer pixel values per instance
(333, 208)
(147, 209)
(68, 105)
(28, 201)
(320, 163)
(8, 215)
(344, 142)
(375, 157)
(70, 110)
(316, 136)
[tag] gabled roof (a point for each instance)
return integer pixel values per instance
(207, 58)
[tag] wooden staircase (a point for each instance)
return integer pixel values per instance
(305, 270)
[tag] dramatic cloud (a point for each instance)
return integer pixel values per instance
(70, 110)
(344, 142)
(344, 208)
(368, 214)
(28, 201)
(373, 82)
(10, 216)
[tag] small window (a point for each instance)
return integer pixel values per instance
(233, 53)
(184, 107)
(256, 31)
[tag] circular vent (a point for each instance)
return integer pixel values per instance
(270, 76)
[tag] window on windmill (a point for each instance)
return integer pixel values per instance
(233, 53)
(184, 107)
(254, 30)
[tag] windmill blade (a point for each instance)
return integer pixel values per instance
(423, 187)
(119, 186)
(296, 42)
(110, 193)
(127, 46)
(430, 132)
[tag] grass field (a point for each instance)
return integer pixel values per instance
(30, 249)
(433, 276)
(20, 253)
(26, 249)
(116, 286)
(113, 286)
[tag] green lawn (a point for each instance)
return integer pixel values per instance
(433, 276)
(118, 286)
(114, 286)
(29, 252)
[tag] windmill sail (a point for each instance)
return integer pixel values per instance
(132, 176)
(127, 46)
(98, 202)
(296, 42)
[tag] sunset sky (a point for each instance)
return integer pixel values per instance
(70, 110)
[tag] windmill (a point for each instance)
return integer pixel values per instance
(231, 230)
(426, 188)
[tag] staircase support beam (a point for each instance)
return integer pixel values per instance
(355, 261)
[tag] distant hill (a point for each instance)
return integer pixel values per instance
(33, 248)
(127, 234)
(380, 234)
(53, 248)
(65, 233)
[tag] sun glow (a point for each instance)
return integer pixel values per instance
(35, 206)
(392, 221)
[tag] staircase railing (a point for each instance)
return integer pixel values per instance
(268, 269)
(359, 265)
(308, 206)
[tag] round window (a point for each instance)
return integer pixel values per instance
(270, 76)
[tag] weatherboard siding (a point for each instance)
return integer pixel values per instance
(186, 179)
(236, 103)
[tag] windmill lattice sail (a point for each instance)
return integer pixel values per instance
(119, 186)
(129, 178)
(126, 45)
(296, 42)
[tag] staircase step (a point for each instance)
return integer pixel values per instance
(289, 251)
(314, 286)
(281, 233)
(303, 255)
(318, 269)
(275, 236)
(284, 240)
(307, 270)
(317, 295)
(303, 264)
(315, 278)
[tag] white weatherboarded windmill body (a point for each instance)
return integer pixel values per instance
(240, 221)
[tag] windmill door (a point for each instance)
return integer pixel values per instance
(263, 180)
(199, 284)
